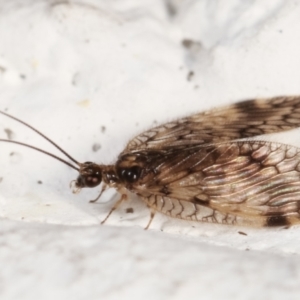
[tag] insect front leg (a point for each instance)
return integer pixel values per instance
(123, 197)
(104, 187)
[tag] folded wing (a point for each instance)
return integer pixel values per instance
(243, 119)
(247, 180)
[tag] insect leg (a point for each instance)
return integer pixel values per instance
(152, 214)
(123, 197)
(104, 187)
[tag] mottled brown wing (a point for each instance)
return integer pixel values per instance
(244, 119)
(249, 183)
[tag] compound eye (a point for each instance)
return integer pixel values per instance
(93, 180)
(90, 176)
(130, 174)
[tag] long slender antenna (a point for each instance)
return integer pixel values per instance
(41, 134)
(40, 150)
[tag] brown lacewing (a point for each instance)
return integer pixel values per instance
(205, 168)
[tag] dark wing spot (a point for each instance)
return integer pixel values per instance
(201, 202)
(165, 190)
(277, 221)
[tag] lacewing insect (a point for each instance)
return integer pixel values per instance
(205, 168)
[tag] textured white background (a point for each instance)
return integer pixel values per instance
(71, 67)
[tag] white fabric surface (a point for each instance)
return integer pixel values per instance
(99, 72)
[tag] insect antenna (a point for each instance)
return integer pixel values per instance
(46, 138)
(41, 150)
